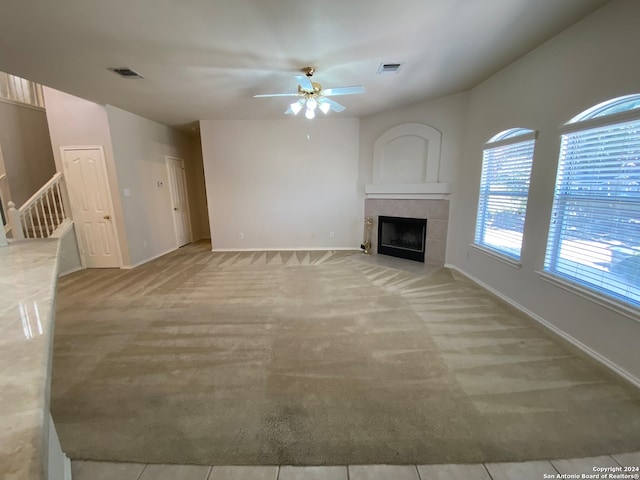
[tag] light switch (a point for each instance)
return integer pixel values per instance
(127, 192)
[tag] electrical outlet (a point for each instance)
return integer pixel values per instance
(241, 235)
(332, 234)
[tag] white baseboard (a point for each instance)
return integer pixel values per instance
(616, 369)
(69, 272)
(309, 249)
(142, 262)
(67, 468)
(58, 465)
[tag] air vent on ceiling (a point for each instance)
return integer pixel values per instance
(125, 72)
(389, 68)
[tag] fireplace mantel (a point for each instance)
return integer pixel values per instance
(427, 191)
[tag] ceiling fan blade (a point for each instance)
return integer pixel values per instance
(353, 90)
(277, 95)
(335, 106)
(305, 83)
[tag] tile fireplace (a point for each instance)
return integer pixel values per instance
(435, 213)
(406, 183)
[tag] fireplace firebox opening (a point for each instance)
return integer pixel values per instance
(402, 237)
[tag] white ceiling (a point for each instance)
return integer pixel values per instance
(205, 59)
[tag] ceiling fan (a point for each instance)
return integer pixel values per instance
(313, 96)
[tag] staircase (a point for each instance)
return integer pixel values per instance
(42, 214)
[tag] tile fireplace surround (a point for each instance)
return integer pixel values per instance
(435, 211)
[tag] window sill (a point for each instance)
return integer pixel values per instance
(498, 256)
(22, 104)
(606, 302)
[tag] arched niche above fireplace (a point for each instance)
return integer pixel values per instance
(406, 161)
(408, 153)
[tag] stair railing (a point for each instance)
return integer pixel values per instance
(42, 214)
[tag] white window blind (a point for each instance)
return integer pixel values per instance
(504, 188)
(594, 236)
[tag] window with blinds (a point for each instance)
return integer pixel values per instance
(594, 235)
(504, 189)
(20, 90)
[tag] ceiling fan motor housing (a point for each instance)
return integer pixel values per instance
(316, 89)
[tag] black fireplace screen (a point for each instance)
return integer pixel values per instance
(402, 237)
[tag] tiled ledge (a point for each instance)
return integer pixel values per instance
(28, 273)
(534, 470)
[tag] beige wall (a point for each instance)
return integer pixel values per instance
(74, 121)
(283, 184)
(200, 187)
(140, 147)
(583, 66)
(135, 149)
(26, 148)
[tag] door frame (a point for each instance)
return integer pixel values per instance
(116, 236)
(4, 185)
(5, 189)
(167, 158)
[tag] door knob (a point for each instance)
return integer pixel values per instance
(106, 217)
(175, 209)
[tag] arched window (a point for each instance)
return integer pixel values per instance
(594, 235)
(504, 188)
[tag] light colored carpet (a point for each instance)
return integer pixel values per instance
(311, 358)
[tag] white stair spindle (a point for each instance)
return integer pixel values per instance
(40, 217)
(46, 220)
(59, 201)
(38, 234)
(51, 221)
(33, 226)
(54, 194)
(25, 228)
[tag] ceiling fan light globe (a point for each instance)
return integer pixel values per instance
(296, 107)
(312, 104)
(325, 107)
(310, 114)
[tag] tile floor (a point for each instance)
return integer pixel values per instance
(535, 470)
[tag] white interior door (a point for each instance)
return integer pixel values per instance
(88, 186)
(179, 203)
